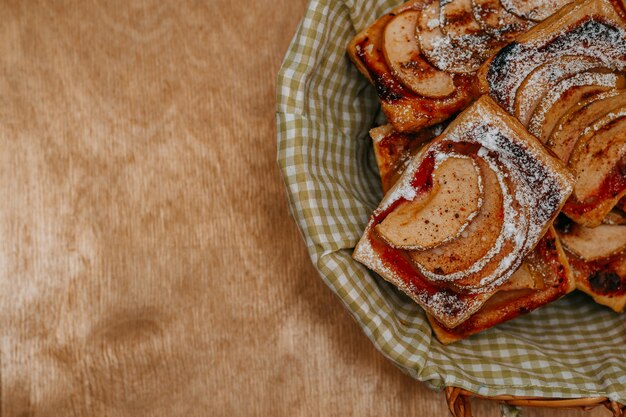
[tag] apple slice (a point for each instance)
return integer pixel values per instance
(565, 135)
(402, 54)
(457, 197)
(597, 153)
(480, 235)
(439, 49)
(536, 10)
(569, 92)
(544, 78)
(458, 24)
(595, 243)
(579, 96)
(457, 20)
(497, 21)
(523, 279)
(496, 264)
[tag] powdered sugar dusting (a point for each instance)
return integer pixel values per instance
(594, 37)
(462, 54)
(432, 23)
(544, 78)
(533, 9)
(582, 79)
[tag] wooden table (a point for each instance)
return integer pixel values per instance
(149, 266)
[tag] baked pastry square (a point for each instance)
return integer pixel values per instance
(543, 277)
(564, 80)
(413, 93)
(467, 210)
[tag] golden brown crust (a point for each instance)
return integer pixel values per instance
(393, 150)
(548, 261)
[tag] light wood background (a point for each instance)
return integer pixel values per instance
(148, 264)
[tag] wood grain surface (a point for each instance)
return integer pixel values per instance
(148, 264)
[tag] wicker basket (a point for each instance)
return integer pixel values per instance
(459, 400)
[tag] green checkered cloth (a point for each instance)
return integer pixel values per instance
(571, 348)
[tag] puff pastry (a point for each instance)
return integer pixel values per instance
(515, 169)
(543, 276)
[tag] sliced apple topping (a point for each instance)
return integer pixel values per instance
(565, 135)
(566, 94)
(457, 20)
(497, 21)
(439, 49)
(544, 78)
(591, 28)
(536, 10)
(474, 243)
(595, 243)
(402, 54)
(501, 223)
(465, 34)
(523, 279)
(597, 154)
(503, 257)
(457, 196)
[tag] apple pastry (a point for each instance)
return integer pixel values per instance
(535, 283)
(458, 223)
(597, 258)
(422, 57)
(564, 80)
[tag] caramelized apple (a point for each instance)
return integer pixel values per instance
(497, 21)
(566, 95)
(570, 127)
(599, 156)
(402, 53)
(438, 48)
(480, 235)
(595, 243)
(544, 78)
(456, 198)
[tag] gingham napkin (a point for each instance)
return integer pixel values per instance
(571, 348)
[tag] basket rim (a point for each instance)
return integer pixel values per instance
(458, 400)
